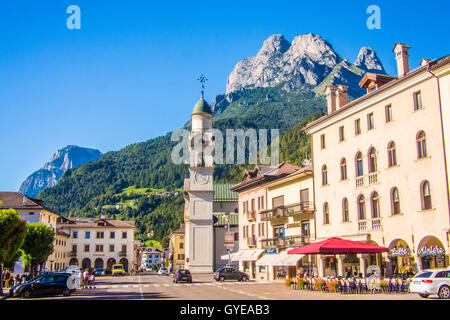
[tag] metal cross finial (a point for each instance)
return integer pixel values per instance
(202, 80)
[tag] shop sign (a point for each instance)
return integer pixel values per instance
(433, 251)
(401, 252)
(229, 239)
(271, 251)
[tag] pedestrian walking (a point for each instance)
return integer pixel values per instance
(91, 282)
(85, 278)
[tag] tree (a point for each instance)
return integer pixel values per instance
(38, 244)
(12, 236)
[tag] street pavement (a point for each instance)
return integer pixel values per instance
(204, 287)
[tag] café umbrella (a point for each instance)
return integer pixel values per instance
(338, 245)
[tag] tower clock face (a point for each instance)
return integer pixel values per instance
(200, 178)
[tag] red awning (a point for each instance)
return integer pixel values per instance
(338, 245)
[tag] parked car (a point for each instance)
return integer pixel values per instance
(163, 271)
(432, 282)
(182, 275)
(99, 272)
(48, 284)
(223, 274)
(118, 269)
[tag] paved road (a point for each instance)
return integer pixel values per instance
(152, 286)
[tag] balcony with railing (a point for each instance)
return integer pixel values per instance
(305, 208)
(286, 242)
(72, 253)
(368, 225)
(359, 182)
(251, 241)
(373, 178)
(122, 254)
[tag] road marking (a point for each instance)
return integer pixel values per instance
(156, 285)
(140, 288)
(167, 285)
(124, 286)
(115, 286)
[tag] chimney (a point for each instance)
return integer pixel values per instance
(342, 96)
(402, 57)
(330, 93)
(24, 200)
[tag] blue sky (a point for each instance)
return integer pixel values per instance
(130, 73)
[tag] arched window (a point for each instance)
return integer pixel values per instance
(392, 154)
(426, 195)
(324, 175)
(343, 169)
(361, 207)
(359, 164)
(372, 157)
(421, 141)
(375, 200)
(326, 213)
(395, 200)
(345, 216)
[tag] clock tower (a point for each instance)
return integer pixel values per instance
(198, 195)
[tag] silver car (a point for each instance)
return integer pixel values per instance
(432, 282)
(163, 272)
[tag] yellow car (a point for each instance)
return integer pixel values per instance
(118, 269)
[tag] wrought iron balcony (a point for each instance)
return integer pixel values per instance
(304, 207)
(72, 254)
(122, 254)
(251, 241)
(286, 242)
(251, 215)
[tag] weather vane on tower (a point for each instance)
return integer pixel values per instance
(202, 80)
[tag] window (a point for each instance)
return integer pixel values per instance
(345, 216)
(305, 228)
(99, 248)
(322, 141)
(370, 121)
(421, 141)
(181, 245)
(111, 248)
(357, 127)
(343, 169)
(395, 200)
(124, 235)
(181, 257)
(326, 213)
(361, 208)
(112, 235)
(388, 113)
(359, 164)
(74, 248)
(278, 202)
(417, 100)
(87, 234)
(392, 156)
(75, 235)
(426, 195)
(341, 134)
(375, 205)
(253, 205)
(372, 160)
(100, 235)
(86, 248)
(324, 175)
(278, 232)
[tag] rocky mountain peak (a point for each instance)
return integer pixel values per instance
(368, 60)
(66, 158)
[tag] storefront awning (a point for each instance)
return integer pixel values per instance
(290, 260)
(244, 255)
(281, 259)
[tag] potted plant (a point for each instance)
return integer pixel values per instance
(301, 282)
(289, 282)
